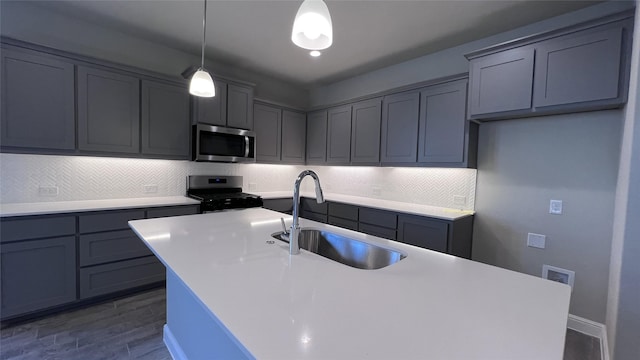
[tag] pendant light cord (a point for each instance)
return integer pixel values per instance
(204, 32)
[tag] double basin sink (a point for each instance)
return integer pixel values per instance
(347, 251)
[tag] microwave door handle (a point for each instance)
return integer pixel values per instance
(246, 146)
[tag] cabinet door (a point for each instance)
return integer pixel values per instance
(240, 107)
(501, 82)
(122, 275)
(317, 137)
(165, 120)
(268, 128)
(108, 111)
(399, 138)
(280, 205)
(443, 123)
(578, 68)
(294, 130)
(213, 110)
(37, 101)
(423, 232)
(365, 132)
(110, 246)
(37, 274)
(339, 135)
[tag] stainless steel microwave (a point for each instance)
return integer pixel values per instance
(217, 143)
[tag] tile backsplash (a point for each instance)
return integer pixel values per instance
(26, 178)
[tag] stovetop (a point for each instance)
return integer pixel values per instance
(220, 193)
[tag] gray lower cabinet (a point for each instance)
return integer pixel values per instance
(268, 128)
(165, 121)
(213, 110)
(122, 275)
(444, 128)
(284, 205)
(37, 274)
(173, 211)
(310, 209)
(365, 132)
(239, 107)
(294, 130)
(343, 215)
(339, 135)
(38, 101)
(110, 246)
(379, 223)
(108, 111)
(501, 82)
(399, 138)
(317, 137)
(423, 232)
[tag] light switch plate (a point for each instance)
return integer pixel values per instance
(48, 191)
(536, 240)
(555, 207)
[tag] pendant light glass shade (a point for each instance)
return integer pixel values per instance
(202, 84)
(312, 29)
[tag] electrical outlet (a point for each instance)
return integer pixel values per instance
(376, 191)
(459, 200)
(536, 240)
(150, 189)
(555, 207)
(48, 191)
(253, 186)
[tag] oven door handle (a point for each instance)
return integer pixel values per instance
(246, 146)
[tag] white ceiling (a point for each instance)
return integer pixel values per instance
(255, 34)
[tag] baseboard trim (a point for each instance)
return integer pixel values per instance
(591, 328)
(172, 344)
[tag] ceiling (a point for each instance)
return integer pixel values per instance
(255, 34)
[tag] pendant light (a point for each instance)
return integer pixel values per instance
(201, 81)
(312, 29)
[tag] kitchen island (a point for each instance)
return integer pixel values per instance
(235, 292)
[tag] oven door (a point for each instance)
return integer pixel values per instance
(221, 144)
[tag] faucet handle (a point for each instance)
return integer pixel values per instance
(284, 226)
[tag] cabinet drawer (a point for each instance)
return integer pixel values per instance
(307, 204)
(343, 223)
(111, 246)
(423, 232)
(173, 211)
(378, 231)
(106, 221)
(314, 216)
(37, 275)
(24, 228)
(344, 211)
(379, 218)
(123, 275)
(281, 205)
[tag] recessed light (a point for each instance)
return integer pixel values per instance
(315, 53)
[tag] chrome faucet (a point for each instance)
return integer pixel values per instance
(294, 234)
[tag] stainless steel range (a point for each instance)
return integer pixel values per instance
(217, 193)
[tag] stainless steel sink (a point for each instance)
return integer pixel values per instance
(355, 253)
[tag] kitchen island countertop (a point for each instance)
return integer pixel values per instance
(276, 306)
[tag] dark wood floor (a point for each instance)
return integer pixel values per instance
(131, 328)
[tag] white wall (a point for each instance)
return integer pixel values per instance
(26, 21)
(623, 306)
(88, 178)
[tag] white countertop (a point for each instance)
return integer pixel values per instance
(59, 207)
(409, 208)
(427, 306)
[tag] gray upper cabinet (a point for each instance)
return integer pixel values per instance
(108, 111)
(443, 123)
(37, 101)
(294, 129)
(165, 120)
(578, 68)
(268, 129)
(365, 132)
(339, 135)
(317, 137)
(400, 114)
(240, 107)
(502, 82)
(212, 111)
